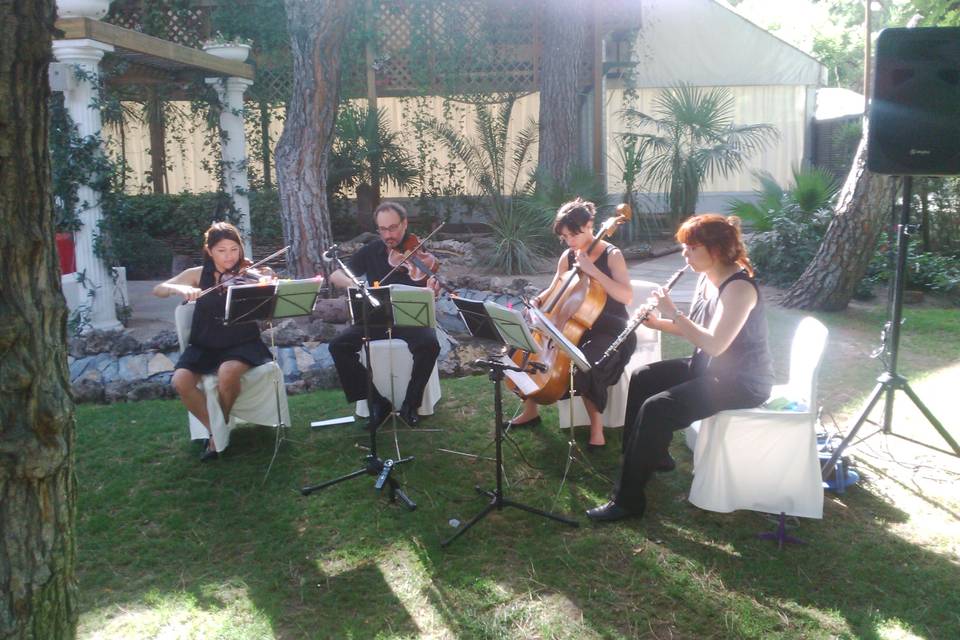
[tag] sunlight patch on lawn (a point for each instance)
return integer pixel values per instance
(410, 582)
(919, 481)
(542, 615)
(179, 615)
(697, 536)
(893, 630)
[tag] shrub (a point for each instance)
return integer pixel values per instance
(791, 223)
(146, 231)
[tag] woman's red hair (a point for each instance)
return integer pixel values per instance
(720, 235)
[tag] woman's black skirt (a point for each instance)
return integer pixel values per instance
(203, 360)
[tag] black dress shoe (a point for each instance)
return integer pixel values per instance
(409, 415)
(532, 422)
(611, 512)
(591, 448)
(209, 454)
(666, 464)
(380, 409)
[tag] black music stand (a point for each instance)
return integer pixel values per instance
(577, 361)
(402, 306)
(510, 330)
(268, 302)
(369, 303)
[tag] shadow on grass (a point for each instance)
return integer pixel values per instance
(155, 524)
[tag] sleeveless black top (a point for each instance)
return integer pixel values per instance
(207, 330)
(613, 318)
(748, 357)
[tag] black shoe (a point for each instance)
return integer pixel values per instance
(611, 512)
(591, 448)
(532, 422)
(209, 454)
(409, 415)
(380, 409)
(666, 464)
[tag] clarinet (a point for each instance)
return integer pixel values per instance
(638, 319)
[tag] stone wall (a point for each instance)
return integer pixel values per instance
(114, 366)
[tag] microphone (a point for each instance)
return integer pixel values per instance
(331, 253)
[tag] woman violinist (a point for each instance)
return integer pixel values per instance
(227, 350)
(730, 368)
(606, 266)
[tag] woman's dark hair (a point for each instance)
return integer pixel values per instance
(223, 231)
(720, 235)
(573, 215)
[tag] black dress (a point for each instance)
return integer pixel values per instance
(611, 322)
(211, 342)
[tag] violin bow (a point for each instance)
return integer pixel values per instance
(407, 255)
(242, 271)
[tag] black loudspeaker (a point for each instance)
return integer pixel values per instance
(914, 127)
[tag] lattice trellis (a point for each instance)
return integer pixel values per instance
(187, 25)
(422, 47)
(456, 46)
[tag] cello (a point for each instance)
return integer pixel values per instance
(572, 304)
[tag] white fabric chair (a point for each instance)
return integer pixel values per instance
(393, 360)
(648, 350)
(256, 404)
(765, 459)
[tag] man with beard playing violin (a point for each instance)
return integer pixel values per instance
(373, 261)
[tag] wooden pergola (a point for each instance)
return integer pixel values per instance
(140, 60)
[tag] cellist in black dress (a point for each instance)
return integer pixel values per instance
(606, 266)
(227, 350)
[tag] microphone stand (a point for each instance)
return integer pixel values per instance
(373, 465)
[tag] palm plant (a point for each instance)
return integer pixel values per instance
(693, 139)
(542, 201)
(789, 223)
(812, 191)
(497, 165)
(366, 151)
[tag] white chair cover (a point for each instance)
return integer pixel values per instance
(392, 361)
(648, 350)
(256, 404)
(765, 459)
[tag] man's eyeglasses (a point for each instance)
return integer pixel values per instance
(391, 229)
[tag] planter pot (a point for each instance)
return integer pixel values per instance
(228, 51)
(65, 249)
(95, 9)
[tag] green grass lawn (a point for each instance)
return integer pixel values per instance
(171, 548)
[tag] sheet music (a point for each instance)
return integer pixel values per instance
(525, 384)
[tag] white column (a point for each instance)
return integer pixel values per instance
(233, 148)
(81, 102)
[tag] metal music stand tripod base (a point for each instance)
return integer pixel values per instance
(497, 500)
(374, 465)
(890, 381)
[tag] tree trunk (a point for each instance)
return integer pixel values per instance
(829, 281)
(317, 30)
(565, 25)
(265, 144)
(37, 487)
(158, 141)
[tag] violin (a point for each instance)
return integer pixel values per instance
(418, 263)
(248, 274)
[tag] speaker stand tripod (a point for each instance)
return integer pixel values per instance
(889, 382)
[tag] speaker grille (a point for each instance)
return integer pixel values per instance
(914, 126)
